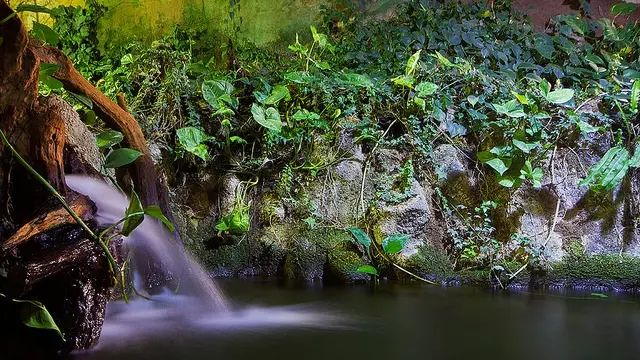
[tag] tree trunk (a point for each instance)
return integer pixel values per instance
(44, 254)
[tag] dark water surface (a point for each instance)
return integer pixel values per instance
(393, 322)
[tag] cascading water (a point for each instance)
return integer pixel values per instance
(152, 239)
(198, 305)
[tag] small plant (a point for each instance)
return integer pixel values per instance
(391, 245)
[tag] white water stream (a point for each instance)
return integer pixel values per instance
(199, 304)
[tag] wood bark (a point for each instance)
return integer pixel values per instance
(44, 254)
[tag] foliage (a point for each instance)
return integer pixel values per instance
(35, 315)
(391, 245)
(463, 74)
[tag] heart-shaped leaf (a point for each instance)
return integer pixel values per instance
(134, 213)
(109, 138)
(121, 157)
(361, 236)
(393, 244)
(269, 118)
(368, 269)
(155, 212)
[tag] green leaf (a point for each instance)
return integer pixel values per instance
(521, 98)
(134, 213)
(357, 80)
(45, 33)
(217, 92)
(121, 157)
(609, 29)
(443, 60)
(426, 88)
(45, 76)
(33, 8)
(193, 139)
(509, 181)
(609, 171)
(361, 236)
(155, 212)
(525, 147)
(395, 243)
(299, 77)
(634, 162)
(579, 26)
(239, 222)
(35, 315)
(545, 87)
(269, 118)
(412, 63)
(83, 99)
(473, 100)
(404, 81)
(586, 128)
(560, 96)
(109, 138)
(367, 269)
(511, 109)
(278, 93)
(623, 8)
(635, 96)
(237, 140)
(498, 165)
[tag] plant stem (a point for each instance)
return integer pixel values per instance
(112, 262)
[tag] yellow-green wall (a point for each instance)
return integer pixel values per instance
(258, 21)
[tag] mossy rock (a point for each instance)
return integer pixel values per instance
(430, 263)
(308, 253)
(618, 271)
(342, 266)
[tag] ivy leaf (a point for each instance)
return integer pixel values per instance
(404, 81)
(395, 243)
(269, 118)
(426, 88)
(509, 181)
(525, 147)
(155, 212)
(361, 236)
(473, 100)
(109, 138)
(497, 165)
(132, 222)
(357, 80)
(121, 157)
(367, 269)
(545, 87)
(299, 77)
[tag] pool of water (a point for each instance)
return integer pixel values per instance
(391, 322)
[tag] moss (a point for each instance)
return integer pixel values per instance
(613, 268)
(430, 262)
(341, 267)
(309, 250)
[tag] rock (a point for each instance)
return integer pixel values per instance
(408, 217)
(78, 136)
(337, 196)
(598, 221)
(229, 187)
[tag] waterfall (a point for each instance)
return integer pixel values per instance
(152, 239)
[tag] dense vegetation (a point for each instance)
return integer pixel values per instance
(434, 73)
